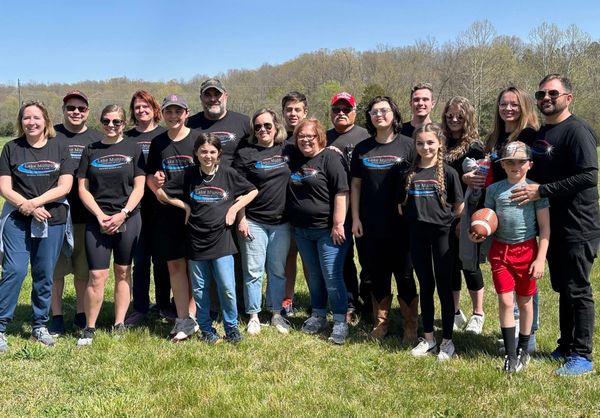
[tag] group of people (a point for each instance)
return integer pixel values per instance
(185, 198)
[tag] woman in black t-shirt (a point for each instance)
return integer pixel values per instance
(263, 228)
(462, 140)
(212, 196)
(381, 232)
(36, 173)
(111, 179)
(317, 202)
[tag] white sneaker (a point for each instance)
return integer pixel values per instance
(423, 348)
(475, 324)
(459, 320)
(281, 324)
(446, 350)
(253, 327)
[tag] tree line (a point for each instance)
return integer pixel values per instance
(477, 65)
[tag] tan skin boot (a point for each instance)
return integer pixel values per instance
(381, 311)
(410, 313)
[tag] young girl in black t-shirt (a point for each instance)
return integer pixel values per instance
(212, 196)
(111, 179)
(431, 197)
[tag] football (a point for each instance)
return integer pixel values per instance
(484, 222)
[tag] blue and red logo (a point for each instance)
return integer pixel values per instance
(177, 163)
(112, 161)
(381, 162)
(208, 194)
(276, 161)
(39, 168)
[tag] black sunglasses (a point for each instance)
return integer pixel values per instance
(553, 94)
(268, 126)
(115, 122)
(71, 108)
(345, 109)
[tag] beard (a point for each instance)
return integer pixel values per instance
(215, 112)
(550, 109)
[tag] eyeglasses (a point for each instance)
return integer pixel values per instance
(268, 126)
(381, 112)
(503, 105)
(344, 109)
(115, 122)
(553, 94)
(71, 108)
(307, 138)
(452, 116)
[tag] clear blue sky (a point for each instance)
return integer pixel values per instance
(68, 41)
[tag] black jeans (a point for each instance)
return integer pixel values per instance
(570, 265)
(427, 242)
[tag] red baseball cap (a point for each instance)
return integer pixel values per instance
(343, 96)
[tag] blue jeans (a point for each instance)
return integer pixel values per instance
(19, 249)
(269, 249)
(219, 270)
(325, 263)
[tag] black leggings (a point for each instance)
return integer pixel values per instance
(379, 258)
(98, 246)
(473, 278)
(429, 241)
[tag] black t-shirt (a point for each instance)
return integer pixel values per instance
(210, 197)
(346, 141)
(424, 203)
(380, 166)
(475, 151)
(76, 143)
(407, 129)
(143, 141)
(174, 158)
(527, 136)
(313, 184)
(233, 130)
(34, 171)
(566, 164)
(110, 170)
(267, 169)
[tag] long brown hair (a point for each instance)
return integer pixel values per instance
(469, 135)
(440, 171)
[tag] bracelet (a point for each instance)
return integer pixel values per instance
(126, 212)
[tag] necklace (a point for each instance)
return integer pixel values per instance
(212, 175)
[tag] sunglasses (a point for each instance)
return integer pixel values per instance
(268, 126)
(452, 116)
(553, 94)
(71, 108)
(344, 109)
(115, 122)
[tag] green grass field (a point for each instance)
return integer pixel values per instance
(142, 374)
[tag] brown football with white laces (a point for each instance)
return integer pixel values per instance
(484, 222)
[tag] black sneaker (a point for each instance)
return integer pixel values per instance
(56, 328)
(233, 336)
(210, 337)
(510, 364)
(523, 358)
(87, 337)
(118, 330)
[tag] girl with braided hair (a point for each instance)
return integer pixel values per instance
(431, 198)
(459, 124)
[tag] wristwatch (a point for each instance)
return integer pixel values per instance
(126, 212)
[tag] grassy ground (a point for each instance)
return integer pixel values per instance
(142, 374)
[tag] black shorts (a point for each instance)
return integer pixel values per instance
(169, 233)
(98, 246)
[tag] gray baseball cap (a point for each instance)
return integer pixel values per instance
(212, 83)
(174, 100)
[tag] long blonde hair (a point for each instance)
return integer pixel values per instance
(528, 118)
(440, 171)
(470, 135)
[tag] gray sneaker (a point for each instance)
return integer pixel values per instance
(42, 335)
(134, 319)
(185, 329)
(339, 333)
(3, 343)
(281, 324)
(87, 337)
(314, 325)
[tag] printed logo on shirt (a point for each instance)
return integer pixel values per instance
(303, 174)
(145, 147)
(39, 168)
(276, 161)
(76, 150)
(542, 148)
(111, 162)
(381, 162)
(208, 194)
(177, 163)
(225, 137)
(421, 188)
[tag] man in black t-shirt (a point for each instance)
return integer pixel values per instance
(294, 108)
(343, 137)
(74, 134)
(232, 128)
(421, 104)
(566, 166)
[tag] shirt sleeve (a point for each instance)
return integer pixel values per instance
(84, 163)
(490, 196)
(355, 166)
(5, 161)
(139, 167)
(153, 164)
(453, 187)
(240, 185)
(67, 164)
(337, 177)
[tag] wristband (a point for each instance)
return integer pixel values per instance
(126, 212)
